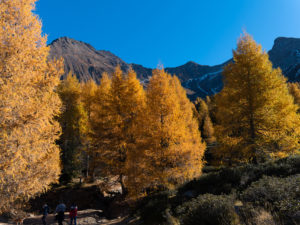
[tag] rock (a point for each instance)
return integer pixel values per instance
(87, 221)
(285, 54)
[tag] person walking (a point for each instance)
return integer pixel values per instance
(73, 214)
(45, 213)
(60, 210)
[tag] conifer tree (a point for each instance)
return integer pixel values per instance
(135, 107)
(205, 124)
(74, 123)
(294, 89)
(88, 94)
(208, 102)
(117, 148)
(100, 126)
(29, 157)
(256, 115)
(119, 106)
(212, 107)
(175, 150)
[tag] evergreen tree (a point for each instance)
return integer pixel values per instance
(174, 150)
(29, 157)
(256, 115)
(74, 123)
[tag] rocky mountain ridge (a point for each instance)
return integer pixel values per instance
(200, 80)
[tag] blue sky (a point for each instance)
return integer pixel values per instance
(169, 32)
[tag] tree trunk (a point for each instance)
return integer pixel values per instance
(87, 165)
(124, 189)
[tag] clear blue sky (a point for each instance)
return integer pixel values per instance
(169, 32)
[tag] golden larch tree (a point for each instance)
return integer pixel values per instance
(116, 151)
(117, 111)
(256, 114)
(294, 89)
(205, 124)
(29, 157)
(74, 123)
(175, 150)
(100, 126)
(88, 95)
(135, 107)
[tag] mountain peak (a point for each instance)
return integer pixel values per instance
(84, 60)
(286, 55)
(285, 43)
(191, 63)
(62, 39)
(67, 42)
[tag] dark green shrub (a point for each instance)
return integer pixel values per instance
(208, 209)
(224, 180)
(250, 215)
(280, 195)
(152, 208)
(214, 183)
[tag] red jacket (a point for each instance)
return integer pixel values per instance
(73, 211)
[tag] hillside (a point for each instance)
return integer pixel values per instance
(250, 194)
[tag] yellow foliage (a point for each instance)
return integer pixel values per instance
(75, 127)
(88, 95)
(174, 150)
(256, 115)
(29, 157)
(294, 89)
(205, 124)
(148, 140)
(100, 122)
(120, 102)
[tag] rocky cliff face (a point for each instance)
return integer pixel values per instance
(200, 80)
(286, 55)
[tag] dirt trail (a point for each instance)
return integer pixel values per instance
(85, 217)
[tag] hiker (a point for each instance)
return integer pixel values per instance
(60, 210)
(73, 214)
(45, 213)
